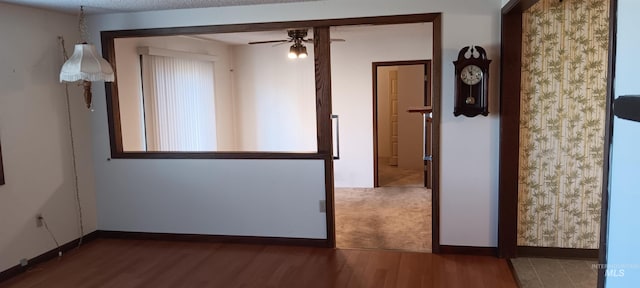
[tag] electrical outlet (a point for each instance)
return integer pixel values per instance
(39, 220)
(323, 206)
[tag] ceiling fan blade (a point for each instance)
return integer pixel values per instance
(281, 43)
(310, 40)
(270, 41)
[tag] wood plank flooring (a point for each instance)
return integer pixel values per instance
(142, 263)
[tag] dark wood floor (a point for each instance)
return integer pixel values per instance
(140, 263)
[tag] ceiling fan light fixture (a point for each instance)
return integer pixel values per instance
(293, 52)
(302, 52)
(297, 50)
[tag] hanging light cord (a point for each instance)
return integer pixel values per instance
(82, 26)
(73, 148)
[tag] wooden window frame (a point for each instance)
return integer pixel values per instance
(114, 122)
(322, 60)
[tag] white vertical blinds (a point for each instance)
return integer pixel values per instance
(179, 104)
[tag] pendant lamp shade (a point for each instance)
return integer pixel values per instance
(85, 64)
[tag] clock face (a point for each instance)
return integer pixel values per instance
(471, 74)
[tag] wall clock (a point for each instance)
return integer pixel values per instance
(472, 82)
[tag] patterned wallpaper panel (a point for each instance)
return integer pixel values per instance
(563, 94)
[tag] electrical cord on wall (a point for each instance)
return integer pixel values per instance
(44, 222)
(73, 149)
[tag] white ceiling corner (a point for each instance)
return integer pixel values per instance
(117, 6)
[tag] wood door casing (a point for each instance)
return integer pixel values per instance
(428, 165)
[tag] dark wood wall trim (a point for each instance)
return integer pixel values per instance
(436, 80)
(606, 164)
(553, 252)
(219, 155)
(46, 256)
(323, 97)
(213, 238)
(402, 63)
(249, 27)
(468, 250)
(111, 94)
(510, 80)
(515, 6)
(1, 168)
(108, 51)
(324, 108)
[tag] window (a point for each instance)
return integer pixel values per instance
(179, 105)
(214, 93)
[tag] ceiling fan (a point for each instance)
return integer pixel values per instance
(297, 37)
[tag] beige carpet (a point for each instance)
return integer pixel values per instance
(396, 218)
(392, 176)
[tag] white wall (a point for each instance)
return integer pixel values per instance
(468, 208)
(352, 86)
(35, 139)
(410, 94)
(275, 99)
(623, 237)
(129, 85)
(469, 146)
(223, 197)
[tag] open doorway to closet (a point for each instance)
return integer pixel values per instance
(398, 215)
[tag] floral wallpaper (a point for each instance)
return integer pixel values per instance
(563, 94)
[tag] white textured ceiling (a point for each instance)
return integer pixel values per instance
(114, 6)
(341, 32)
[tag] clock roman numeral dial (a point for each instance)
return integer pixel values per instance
(471, 75)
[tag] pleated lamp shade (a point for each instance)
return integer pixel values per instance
(85, 64)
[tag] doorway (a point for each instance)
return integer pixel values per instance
(368, 216)
(402, 140)
(525, 231)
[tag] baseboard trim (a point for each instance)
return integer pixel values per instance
(555, 252)
(216, 238)
(46, 256)
(468, 250)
